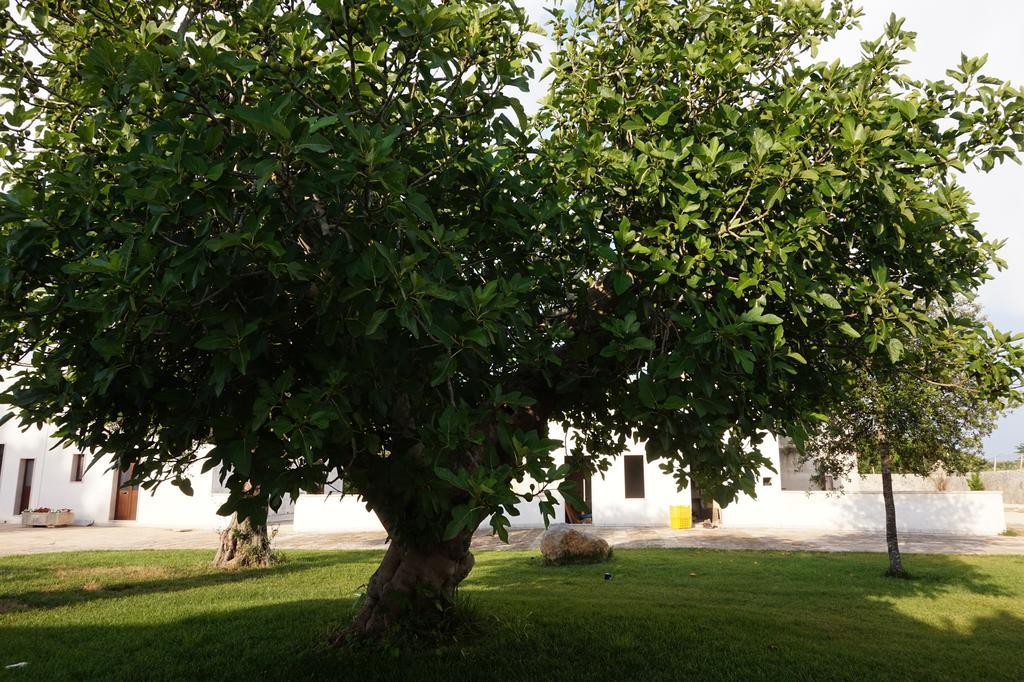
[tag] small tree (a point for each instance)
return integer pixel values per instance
(974, 482)
(924, 409)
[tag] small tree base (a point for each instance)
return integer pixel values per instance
(900, 574)
(244, 545)
(413, 593)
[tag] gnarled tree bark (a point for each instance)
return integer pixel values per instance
(244, 544)
(414, 585)
(892, 542)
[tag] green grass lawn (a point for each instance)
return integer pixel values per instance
(666, 614)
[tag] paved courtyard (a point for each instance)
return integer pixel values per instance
(1015, 516)
(17, 540)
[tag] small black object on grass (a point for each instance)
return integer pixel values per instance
(607, 576)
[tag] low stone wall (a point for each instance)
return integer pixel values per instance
(907, 483)
(1011, 483)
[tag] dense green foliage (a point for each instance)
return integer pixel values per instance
(666, 614)
(287, 233)
(320, 238)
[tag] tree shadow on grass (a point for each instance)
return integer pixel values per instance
(285, 641)
(109, 579)
(739, 616)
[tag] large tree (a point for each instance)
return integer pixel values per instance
(323, 238)
(924, 409)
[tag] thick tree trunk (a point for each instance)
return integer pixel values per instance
(414, 587)
(892, 542)
(243, 545)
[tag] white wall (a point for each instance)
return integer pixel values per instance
(337, 513)
(961, 513)
(976, 513)
(51, 477)
(92, 497)
(609, 504)
(168, 507)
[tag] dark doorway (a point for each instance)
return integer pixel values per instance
(634, 470)
(573, 515)
(703, 510)
(126, 502)
(24, 485)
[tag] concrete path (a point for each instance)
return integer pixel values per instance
(16, 540)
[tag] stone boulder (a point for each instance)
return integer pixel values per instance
(564, 545)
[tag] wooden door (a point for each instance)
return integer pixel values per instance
(127, 497)
(24, 485)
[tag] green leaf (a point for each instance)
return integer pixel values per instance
(418, 203)
(216, 340)
(762, 143)
(462, 518)
(906, 108)
(375, 321)
(451, 478)
(880, 273)
(757, 316)
(314, 147)
(646, 391)
(262, 120)
(478, 336)
(184, 485)
(895, 349)
(445, 367)
(849, 331)
(108, 346)
(828, 300)
(322, 122)
(674, 402)
(620, 282)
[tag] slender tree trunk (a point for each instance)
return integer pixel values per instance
(892, 542)
(413, 586)
(244, 544)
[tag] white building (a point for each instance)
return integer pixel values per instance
(35, 473)
(632, 492)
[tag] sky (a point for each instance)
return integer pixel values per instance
(945, 28)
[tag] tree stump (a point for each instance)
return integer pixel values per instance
(244, 544)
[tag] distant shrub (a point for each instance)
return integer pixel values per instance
(975, 482)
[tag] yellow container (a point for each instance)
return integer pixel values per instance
(680, 516)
